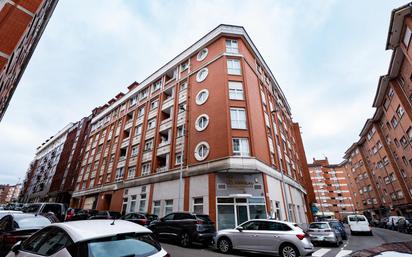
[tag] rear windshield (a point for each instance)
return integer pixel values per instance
(357, 218)
(31, 222)
(140, 245)
(205, 218)
(319, 225)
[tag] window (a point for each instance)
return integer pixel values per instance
(156, 208)
(202, 74)
(142, 203)
(232, 46)
(154, 104)
(202, 151)
(236, 90)
(277, 211)
(144, 93)
(133, 101)
(198, 205)
(146, 169)
(202, 96)
(202, 54)
(168, 206)
(133, 203)
(132, 171)
(201, 122)
(157, 85)
(140, 113)
(400, 111)
(138, 130)
(385, 160)
(407, 37)
(135, 150)
(394, 122)
(238, 118)
(148, 145)
(184, 66)
(233, 67)
(183, 86)
(240, 147)
(409, 133)
(151, 124)
(180, 131)
(403, 141)
(178, 159)
(47, 242)
(119, 174)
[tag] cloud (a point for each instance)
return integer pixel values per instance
(326, 56)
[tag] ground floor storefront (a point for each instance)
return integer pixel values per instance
(229, 198)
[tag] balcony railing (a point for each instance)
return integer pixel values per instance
(162, 169)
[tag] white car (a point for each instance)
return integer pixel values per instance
(359, 224)
(393, 220)
(7, 212)
(90, 238)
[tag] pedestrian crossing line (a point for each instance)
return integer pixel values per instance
(343, 253)
(321, 252)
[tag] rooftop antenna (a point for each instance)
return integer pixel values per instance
(113, 221)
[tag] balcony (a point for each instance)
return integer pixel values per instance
(168, 103)
(147, 156)
(125, 143)
(140, 120)
(181, 118)
(152, 113)
(136, 139)
(162, 162)
(166, 124)
(182, 96)
(163, 149)
(162, 169)
(129, 124)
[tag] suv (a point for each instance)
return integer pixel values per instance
(58, 209)
(185, 227)
(143, 219)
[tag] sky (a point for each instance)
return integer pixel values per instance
(326, 55)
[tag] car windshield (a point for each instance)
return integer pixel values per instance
(122, 245)
(31, 222)
(357, 218)
(319, 225)
(32, 208)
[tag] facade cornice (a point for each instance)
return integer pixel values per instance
(395, 25)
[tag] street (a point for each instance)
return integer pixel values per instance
(354, 243)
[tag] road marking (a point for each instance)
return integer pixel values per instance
(320, 252)
(343, 253)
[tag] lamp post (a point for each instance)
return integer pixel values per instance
(179, 205)
(281, 173)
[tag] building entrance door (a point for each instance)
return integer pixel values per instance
(242, 214)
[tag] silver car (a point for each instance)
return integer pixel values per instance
(270, 236)
(323, 232)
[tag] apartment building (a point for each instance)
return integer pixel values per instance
(22, 23)
(331, 187)
(383, 153)
(210, 132)
(9, 193)
(53, 172)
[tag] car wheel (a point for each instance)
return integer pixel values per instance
(289, 250)
(185, 239)
(224, 245)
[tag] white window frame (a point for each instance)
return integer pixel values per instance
(236, 90)
(202, 74)
(132, 170)
(145, 168)
(233, 67)
(194, 204)
(151, 124)
(202, 126)
(235, 118)
(204, 94)
(198, 147)
(156, 207)
(232, 46)
(243, 143)
(170, 206)
(202, 54)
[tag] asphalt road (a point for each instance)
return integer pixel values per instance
(354, 243)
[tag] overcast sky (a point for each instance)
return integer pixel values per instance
(326, 55)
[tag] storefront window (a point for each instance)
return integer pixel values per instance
(226, 216)
(257, 211)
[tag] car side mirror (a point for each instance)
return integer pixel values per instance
(16, 248)
(240, 228)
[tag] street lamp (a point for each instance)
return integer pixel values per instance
(276, 109)
(179, 205)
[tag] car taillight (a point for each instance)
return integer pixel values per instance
(300, 236)
(167, 255)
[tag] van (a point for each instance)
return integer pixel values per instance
(359, 224)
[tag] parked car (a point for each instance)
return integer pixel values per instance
(101, 215)
(143, 219)
(324, 232)
(392, 222)
(90, 238)
(57, 209)
(336, 224)
(266, 236)
(184, 227)
(18, 227)
(405, 225)
(70, 212)
(359, 224)
(83, 215)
